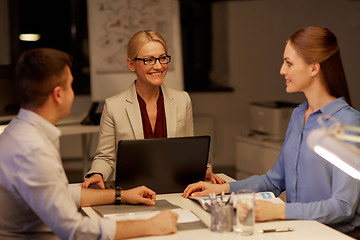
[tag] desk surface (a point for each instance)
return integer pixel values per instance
(70, 129)
(303, 229)
(74, 129)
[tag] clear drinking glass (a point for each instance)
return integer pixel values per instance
(245, 214)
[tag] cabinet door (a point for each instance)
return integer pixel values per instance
(254, 158)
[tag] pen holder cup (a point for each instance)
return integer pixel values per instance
(222, 218)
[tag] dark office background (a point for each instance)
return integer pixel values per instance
(247, 39)
(63, 25)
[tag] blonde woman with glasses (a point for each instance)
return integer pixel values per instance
(148, 109)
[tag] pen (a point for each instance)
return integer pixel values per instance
(230, 199)
(222, 197)
(214, 201)
(276, 230)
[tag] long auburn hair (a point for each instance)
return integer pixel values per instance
(319, 45)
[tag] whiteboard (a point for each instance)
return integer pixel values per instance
(111, 23)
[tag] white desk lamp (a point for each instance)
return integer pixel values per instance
(328, 143)
(2, 128)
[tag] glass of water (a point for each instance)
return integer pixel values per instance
(245, 214)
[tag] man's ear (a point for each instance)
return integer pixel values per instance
(56, 94)
(130, 64)
(315, 69)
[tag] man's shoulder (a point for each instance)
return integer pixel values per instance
(24, 137)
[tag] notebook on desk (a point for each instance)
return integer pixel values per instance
(187, 220)
(165, 165)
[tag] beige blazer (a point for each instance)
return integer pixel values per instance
(121, 120)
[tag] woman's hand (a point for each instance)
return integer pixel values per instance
(266, 211)
(213, 177)
(203, 189)
(94, 179)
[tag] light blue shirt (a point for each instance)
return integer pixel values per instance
(315, 189)
(36, 199)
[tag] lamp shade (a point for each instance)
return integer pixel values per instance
(341, 154)
(2, 128)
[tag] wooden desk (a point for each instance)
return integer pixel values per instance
(303, 229)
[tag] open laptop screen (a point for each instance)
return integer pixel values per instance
(165, 165)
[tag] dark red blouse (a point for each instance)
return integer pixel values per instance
(160, 125)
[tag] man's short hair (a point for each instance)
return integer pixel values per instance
(38, 72)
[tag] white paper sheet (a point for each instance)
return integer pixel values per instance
(185, 215)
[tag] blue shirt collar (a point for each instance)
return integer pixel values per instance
(334, 106)
(329, 109)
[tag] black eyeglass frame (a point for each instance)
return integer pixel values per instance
(168, 57)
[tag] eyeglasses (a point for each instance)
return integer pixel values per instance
(152, 61)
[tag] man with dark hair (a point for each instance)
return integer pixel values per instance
(36, 199)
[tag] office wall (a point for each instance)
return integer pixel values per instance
(257, 31)
(4, 33)
(110, 28)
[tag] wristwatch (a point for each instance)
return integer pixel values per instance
(118, 195)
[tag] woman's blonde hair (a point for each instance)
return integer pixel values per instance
(139, 39)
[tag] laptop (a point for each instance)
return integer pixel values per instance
(165, 165)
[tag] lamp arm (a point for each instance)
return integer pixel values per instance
(326, 143)
(339, 133)
(351, 128)
(348, 137)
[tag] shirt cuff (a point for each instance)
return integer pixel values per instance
(88, 175)
(293, 211)
(234, 186)
(75, 192)
(108, 228)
